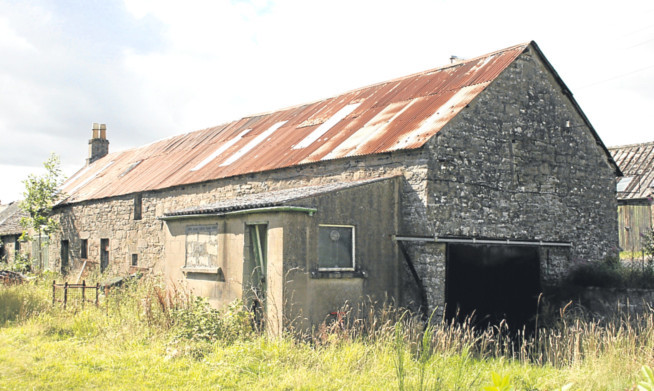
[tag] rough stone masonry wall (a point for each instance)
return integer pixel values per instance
(113, 218)
(507, 167)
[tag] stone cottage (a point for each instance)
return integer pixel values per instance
(470, 186)
(10, 232)
(635, 191)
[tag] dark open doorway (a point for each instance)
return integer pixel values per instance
(64, 256)
(104, 254)
(254, 272)
(493, 283)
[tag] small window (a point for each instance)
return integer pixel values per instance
(84, 249)
(135, 259)
(138, 206)
(336, 247)
(202, 246)
(623, 183)
(17, 245)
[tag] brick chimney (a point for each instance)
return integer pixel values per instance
(98, 144)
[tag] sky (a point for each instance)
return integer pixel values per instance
(152, 69)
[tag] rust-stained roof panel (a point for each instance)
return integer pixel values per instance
(394, 115)
(636, 161)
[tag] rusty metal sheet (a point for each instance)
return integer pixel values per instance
(636, 161)
(394, 115)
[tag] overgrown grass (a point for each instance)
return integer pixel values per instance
(145, 337)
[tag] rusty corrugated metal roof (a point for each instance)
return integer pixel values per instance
(636, 161)
(400, 114)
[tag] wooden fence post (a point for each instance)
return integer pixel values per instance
(83, 292)
(54, 292)
(97, 294)
(65, 294)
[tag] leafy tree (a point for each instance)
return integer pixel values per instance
(40, 196)
(648, 242)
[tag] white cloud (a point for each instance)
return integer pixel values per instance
(153, 68)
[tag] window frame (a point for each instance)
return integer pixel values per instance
(353, 255)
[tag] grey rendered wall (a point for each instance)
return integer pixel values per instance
(311, 295)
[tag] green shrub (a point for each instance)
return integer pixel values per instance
(200, 322)
(648, 244)
(22, 263)
(612, 273)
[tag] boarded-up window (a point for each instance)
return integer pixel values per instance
(336, 247)
(202, 246)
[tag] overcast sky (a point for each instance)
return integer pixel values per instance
(154, 69)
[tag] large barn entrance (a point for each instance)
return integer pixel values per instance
(491, 283)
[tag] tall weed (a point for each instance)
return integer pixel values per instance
(19, 302)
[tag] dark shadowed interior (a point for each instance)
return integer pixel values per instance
(493, 283)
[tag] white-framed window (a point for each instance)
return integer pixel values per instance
(336, 247)
(201, 246)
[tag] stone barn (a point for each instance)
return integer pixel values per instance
(471, 186)
(635, 192)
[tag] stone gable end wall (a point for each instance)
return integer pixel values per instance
(507, 167)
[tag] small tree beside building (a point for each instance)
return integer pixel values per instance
(42, 192)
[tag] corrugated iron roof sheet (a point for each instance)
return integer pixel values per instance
(636, 161)
(395, 115)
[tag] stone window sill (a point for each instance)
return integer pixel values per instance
(338, 274)
(203, 270)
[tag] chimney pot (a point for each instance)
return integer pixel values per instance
(98, 144)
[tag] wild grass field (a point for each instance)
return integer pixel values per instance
(142, 337)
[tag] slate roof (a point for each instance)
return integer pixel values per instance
(637, 164)
(270, 199)
(10, 220)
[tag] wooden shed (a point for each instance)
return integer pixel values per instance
(634, 191)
